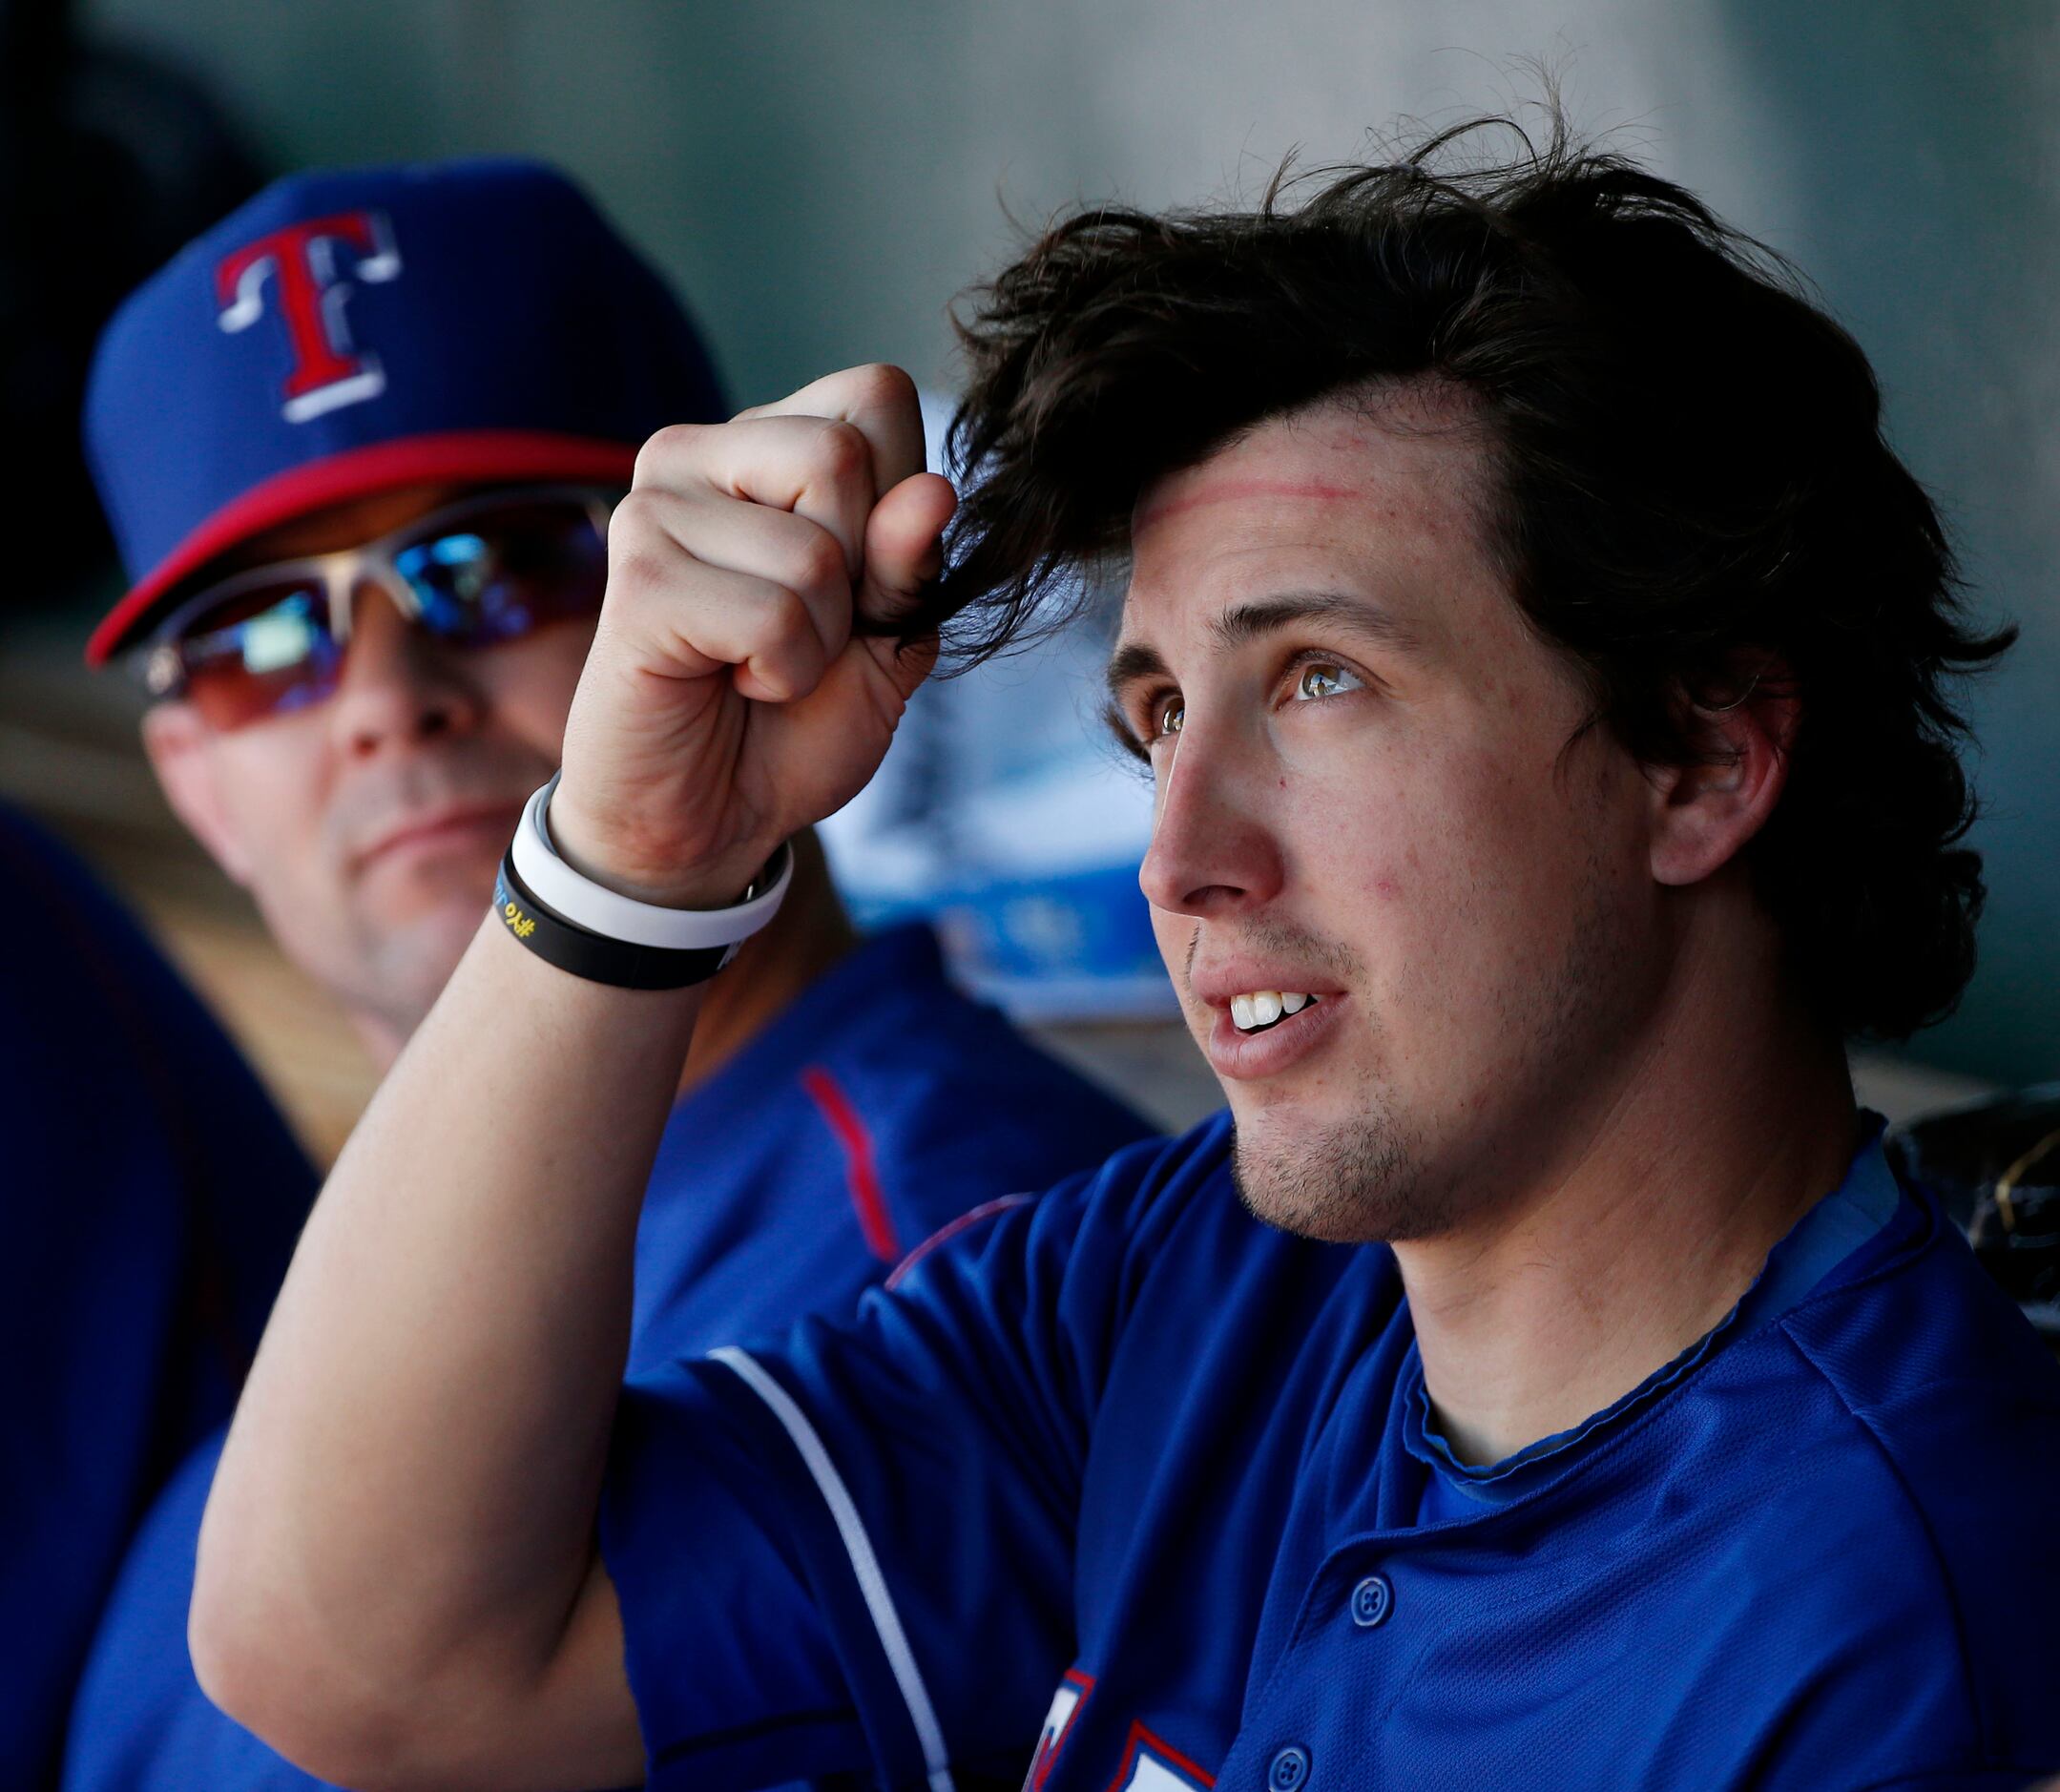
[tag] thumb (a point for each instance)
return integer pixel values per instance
(906, 663)
(904, 549)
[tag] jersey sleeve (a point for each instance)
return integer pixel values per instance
(855, 1550)
(1004, 1118)
(927, 1103)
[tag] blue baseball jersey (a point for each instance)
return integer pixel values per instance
(148, 1202)
(875, 1110)
(1128, 1465)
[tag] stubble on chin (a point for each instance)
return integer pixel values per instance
(403, 967)
(1349, 1181)
(384, 962)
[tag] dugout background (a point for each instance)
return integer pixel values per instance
(820, 176)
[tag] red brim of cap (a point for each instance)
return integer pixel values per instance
(472, 457)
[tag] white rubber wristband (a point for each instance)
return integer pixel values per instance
(615, 916)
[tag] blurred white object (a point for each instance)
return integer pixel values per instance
(1005, 815)
(1901, 1089)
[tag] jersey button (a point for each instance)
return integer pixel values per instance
(1289, 1770)
(1372, 1600)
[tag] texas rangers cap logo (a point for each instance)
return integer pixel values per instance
(297, 273)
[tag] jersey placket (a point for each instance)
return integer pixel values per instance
(1355, 1646)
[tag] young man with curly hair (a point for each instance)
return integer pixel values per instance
(1538, 1376)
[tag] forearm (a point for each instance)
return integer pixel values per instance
(409, 1486)
(397, 1579)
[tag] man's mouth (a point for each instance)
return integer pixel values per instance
(1264, 1008)
(447, 826)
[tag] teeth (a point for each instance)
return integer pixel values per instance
(1263, 1007)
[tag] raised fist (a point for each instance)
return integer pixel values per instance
(746, 676)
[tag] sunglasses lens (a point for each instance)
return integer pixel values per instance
(271, 651)
(492, 572)
(511, 568)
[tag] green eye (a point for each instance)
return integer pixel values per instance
(1318, 680)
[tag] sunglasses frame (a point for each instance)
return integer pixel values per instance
(163, 664)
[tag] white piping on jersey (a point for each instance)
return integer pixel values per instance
(857, 1546)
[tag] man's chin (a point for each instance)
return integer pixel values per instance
(434, 938)
(428, 886)
(410, 950)
(1343, 1181)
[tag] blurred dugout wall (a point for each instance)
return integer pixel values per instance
(820, 178)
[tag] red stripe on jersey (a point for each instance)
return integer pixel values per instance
(1141, 1740)
(1048, 1744)
(971, 1217)
(860, 1173)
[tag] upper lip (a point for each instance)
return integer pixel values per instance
(1215, 983)
(443, 815)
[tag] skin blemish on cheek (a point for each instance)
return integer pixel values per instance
(1386, 887)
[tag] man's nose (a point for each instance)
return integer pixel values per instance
(1213, 846)
(398, 683)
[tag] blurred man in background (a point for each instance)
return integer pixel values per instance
(359, 444)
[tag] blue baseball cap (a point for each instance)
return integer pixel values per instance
(348, 332)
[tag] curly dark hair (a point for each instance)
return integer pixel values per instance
(1691, 486)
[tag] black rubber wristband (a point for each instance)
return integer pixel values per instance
(592, 956)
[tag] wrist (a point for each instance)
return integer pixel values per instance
(596, 931)
(594, 848)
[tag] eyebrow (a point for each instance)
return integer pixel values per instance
(1244, 623)
(1247, 622)
(1131, 662)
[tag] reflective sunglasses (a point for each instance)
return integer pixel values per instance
(491, 568)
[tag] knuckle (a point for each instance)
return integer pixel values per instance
(880, 383)
(819, 565)
(842, 451)
(633, 574)
(787, 620)
(662, 447)
(632, 519)
(782, 655)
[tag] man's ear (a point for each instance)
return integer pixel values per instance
(1741, 730)
(178, 743)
